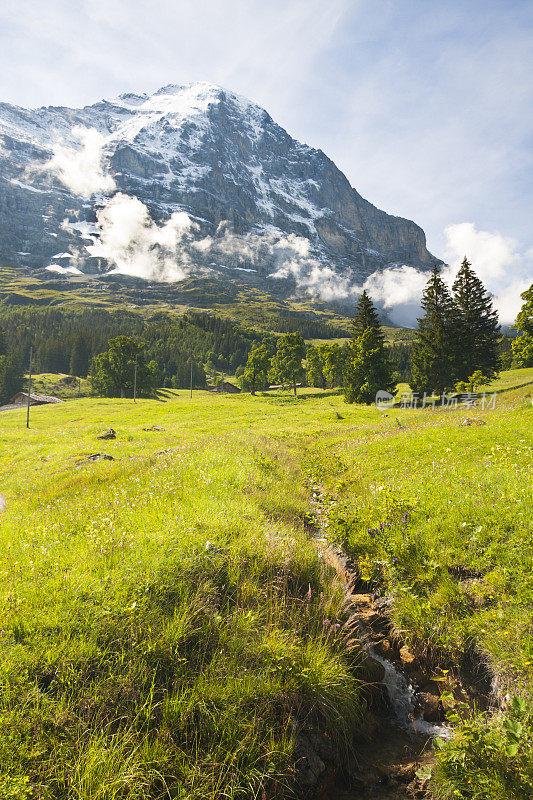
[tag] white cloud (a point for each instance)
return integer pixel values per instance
(293, 259)
(427, 110)
(129, 239)
(398, 290)
(82, 170)
(136, 245)
(505, 270)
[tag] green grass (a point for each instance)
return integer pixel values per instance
(418, 507)
(512, 378)
(163, 615)
(49, 383)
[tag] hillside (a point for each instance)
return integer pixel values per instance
(196, 640)
(191, 182)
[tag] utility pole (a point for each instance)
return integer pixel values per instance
(29, 392)
(191, 378)
(135, 382)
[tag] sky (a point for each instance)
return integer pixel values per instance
(427, 106)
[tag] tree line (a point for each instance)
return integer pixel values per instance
(67, 340)
(458, 338)
(458, 344)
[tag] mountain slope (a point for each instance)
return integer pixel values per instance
(251, 198)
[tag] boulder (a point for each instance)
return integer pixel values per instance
(372, 669)
(109, 434)
(430, 706)
(308, 764)
(408, 659)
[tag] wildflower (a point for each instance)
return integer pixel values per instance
(394, 560)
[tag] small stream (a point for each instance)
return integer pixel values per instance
(402, 698)
(401, 693)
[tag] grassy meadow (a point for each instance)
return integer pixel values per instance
(165, 622)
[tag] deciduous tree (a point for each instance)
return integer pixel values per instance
(287, 362)
(523, 344)
(256, 369)
(112, 373)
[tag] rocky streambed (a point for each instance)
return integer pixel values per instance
(393, 752)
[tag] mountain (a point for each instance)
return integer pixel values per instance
(191, 181)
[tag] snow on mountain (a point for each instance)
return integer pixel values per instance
(107, 183)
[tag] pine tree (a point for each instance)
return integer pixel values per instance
(365, 317)
(477, 329)
(79, 357)
(11, 378)
(368, 368)
(434, 350)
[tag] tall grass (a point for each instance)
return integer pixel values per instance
(162, 615)
(439, 515)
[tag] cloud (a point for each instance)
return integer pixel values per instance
(398, 290)
(426, 107)
(293, 259)
(82, 170)
(128, 238)
(505, 270)
(134, 244)
(131, 241)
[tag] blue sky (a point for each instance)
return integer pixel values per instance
(426, 106)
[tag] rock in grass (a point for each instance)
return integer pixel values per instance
(372, 669)
(469, 421)
(109, 434)
(96, 457)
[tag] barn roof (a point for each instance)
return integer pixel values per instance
(22, 397)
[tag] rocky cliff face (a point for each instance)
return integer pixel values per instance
(257, 201)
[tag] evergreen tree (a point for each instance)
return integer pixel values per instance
(11, 378)
(256, 370)
(365, 317)
(79, 357)
(368, 367)
(523, 344)
(287, 362)
(433, 355)
(477, 334)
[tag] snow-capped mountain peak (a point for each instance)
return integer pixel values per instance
(257, 200)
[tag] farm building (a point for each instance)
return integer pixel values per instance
(35, 399)
(225, 386)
